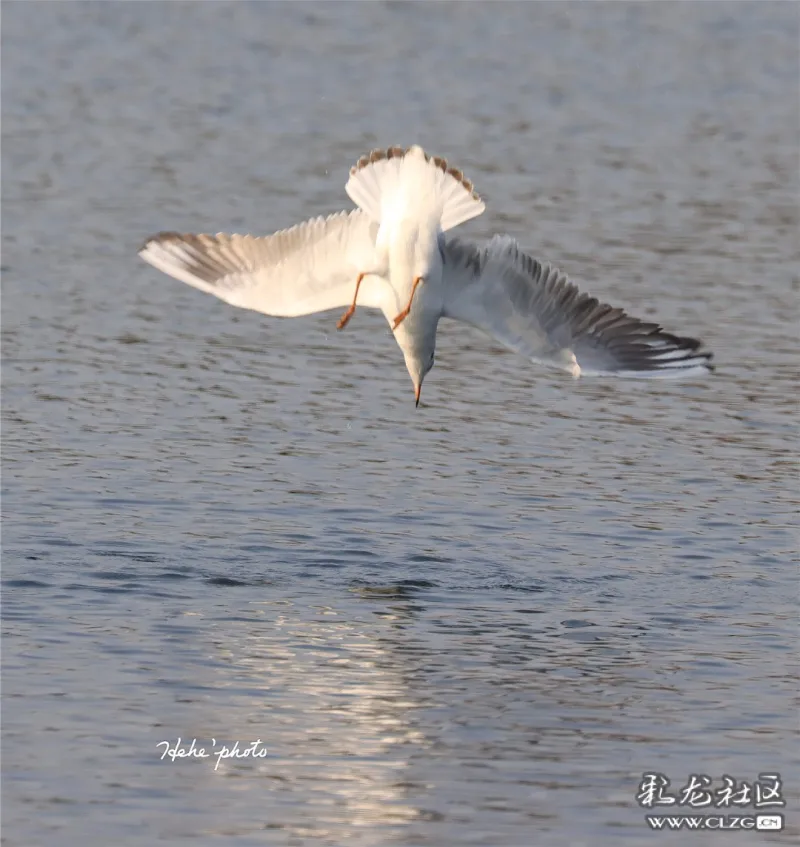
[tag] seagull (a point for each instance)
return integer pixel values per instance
(394, 252)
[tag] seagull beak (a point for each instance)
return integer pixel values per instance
(417, 392)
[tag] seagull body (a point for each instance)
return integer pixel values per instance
(391, 253)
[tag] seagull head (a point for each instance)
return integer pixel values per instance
(418, 366)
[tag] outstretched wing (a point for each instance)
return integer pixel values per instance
(535, 310)
(311, 267)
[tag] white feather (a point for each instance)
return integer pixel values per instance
(395, 184)
(309, 268)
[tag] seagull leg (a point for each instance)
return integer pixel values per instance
(404, 314)
(349, 313)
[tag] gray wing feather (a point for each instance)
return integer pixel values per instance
(535, 310)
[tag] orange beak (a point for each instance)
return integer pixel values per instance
(417, 391)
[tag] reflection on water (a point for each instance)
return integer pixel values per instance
(475, 623)
(347, 730)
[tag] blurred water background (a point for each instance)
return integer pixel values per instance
(478, 622)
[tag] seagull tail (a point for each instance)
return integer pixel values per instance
(399, 183)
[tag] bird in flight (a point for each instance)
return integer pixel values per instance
(394, 252)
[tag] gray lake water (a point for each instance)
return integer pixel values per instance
(479, 622)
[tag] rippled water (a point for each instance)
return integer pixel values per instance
(478, 622)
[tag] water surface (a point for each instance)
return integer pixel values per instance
(478, 622)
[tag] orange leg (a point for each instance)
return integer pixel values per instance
(404, 314)
(343, 321)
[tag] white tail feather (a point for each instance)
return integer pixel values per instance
(395, 183)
